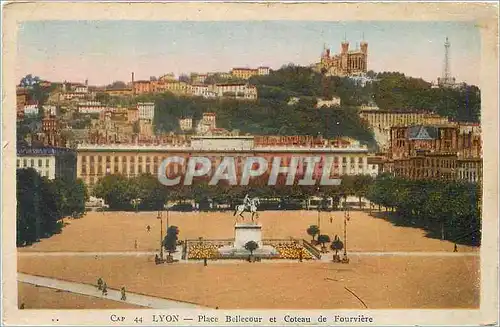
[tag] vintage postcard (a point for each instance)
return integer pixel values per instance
(249, 164)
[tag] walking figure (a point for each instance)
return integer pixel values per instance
(124, 296)
(205, 261)
(331, 219)
(135, 244)
(148, 228)
(455, 248)
(99, 283)
(104, 289)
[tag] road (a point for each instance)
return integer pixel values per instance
(115, 295)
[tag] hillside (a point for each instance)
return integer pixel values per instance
(271, 114)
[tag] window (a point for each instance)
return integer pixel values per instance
(32, 162)
(24, 163)
(18, 162)
(39, 162)
(47, 163)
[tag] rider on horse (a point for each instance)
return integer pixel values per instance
(247, 202)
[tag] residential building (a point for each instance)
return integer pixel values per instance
(120, 92)
(198, 78)
(381, 121)
(435, 152)
(91, 107)
(51, 132)
(238, 91)
(141, 87)
(186, 124)
(244, 73)
(49, 162)
(146, 110)
(95, 161)
(50, 110)
(132, 115)
(31, 110)
(21, 96)
(202, 90)
(325, 103)
(263, 71)
(175, 87)
(207, 123)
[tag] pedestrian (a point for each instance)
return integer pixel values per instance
(22, 306)
(455, 248)
(300, 255)
(157, 259)
(124, 296)
(331, 219)
(99, 283)
(148, 228)
(205, 261)
(135, 244)
(104, 289)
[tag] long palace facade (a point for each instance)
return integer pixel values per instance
(96, 161)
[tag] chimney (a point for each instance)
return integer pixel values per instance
(133, 88)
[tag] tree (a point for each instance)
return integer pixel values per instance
(313, 230)
(28, 206)
(152, 193)
(251, 246)
(337, 245)
(360, 186)
(323, 239)
(41, 203)
(117, 191)
(170, 240)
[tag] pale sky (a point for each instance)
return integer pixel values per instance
(105, 51)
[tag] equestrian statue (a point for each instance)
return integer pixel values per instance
(249, 205)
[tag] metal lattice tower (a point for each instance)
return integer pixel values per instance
(446, 68)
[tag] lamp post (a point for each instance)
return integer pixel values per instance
(319, 209)
(161, 233)
(346, 217)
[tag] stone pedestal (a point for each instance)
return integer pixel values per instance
(244, 233)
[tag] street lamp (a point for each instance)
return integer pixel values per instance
(346, 218)
(165, 206)
(319, 209)
(161, 233)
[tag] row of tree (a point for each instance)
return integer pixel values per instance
(447, 209)
(41, 203)
(145, 192)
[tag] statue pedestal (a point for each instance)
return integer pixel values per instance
(244, 233)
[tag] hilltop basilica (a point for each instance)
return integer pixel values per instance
(346, 63)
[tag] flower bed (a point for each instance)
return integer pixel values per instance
(203, 250)
(292, 251)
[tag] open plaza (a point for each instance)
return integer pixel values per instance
(390, 266)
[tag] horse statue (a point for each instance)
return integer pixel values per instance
(251, 207)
